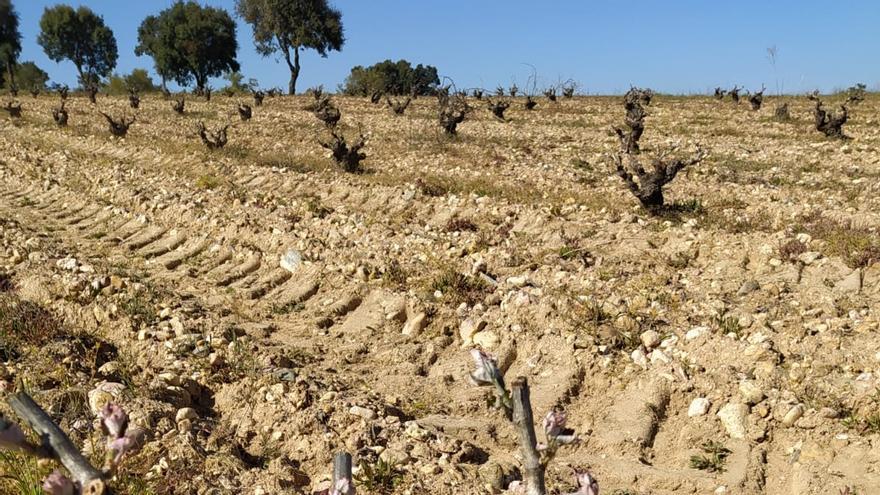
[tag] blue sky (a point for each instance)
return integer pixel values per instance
(676, 46)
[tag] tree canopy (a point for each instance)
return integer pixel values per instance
(10, 39)
(189, 43)
(28, 76)
(396, 78)
(81, 37)
(288, 26)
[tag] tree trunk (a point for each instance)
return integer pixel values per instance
(294, 67)
(9, 68)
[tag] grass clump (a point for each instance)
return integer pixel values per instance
(24, 323)
(381, 477)
(712, 459)
(458, 287)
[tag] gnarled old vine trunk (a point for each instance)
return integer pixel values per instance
(646, 185)
(830, 123)
(633, 102)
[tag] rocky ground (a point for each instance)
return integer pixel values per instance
(256, 309)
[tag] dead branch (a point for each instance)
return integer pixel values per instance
(212, 139)
(478, 94)
(513, 90)
(258, 98)
(376, 97)
(35, 91)
(530, 104)
(63, 92)
(719, 93)
(550, 94)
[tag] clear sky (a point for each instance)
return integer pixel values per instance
(676, 46)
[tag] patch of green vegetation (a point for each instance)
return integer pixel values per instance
(21, 474)
(381, 477)
(858, 247)
(712, 459)
(394, 276)
(457, 287)
(208, 182)
(139, 308)
(727, 324)
(283, 309)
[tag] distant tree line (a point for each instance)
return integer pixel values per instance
(189, 43)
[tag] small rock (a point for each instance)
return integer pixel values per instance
(415, 324)
(658, 356)
(699, 407)
(809, 257)
(395, 457)
(468, 329)
(518, 281)
(650, 339)
(747, 287)
(695, 333)
(852, 283)
(639, 358)
(487, 339)
(829, 413)
(291, 260)
(363, 412)
(415, 431)
(186, 413)
(751, 393)
(103, 393)
(793, 415)
(733, 418)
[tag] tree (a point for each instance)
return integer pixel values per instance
(396, 78)
(139, 81)
(29, 76)
(287, 26)
(79, 36)
(148, 44)
(189, 43)
(10, 40)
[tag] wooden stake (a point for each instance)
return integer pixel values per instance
(524, 422)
